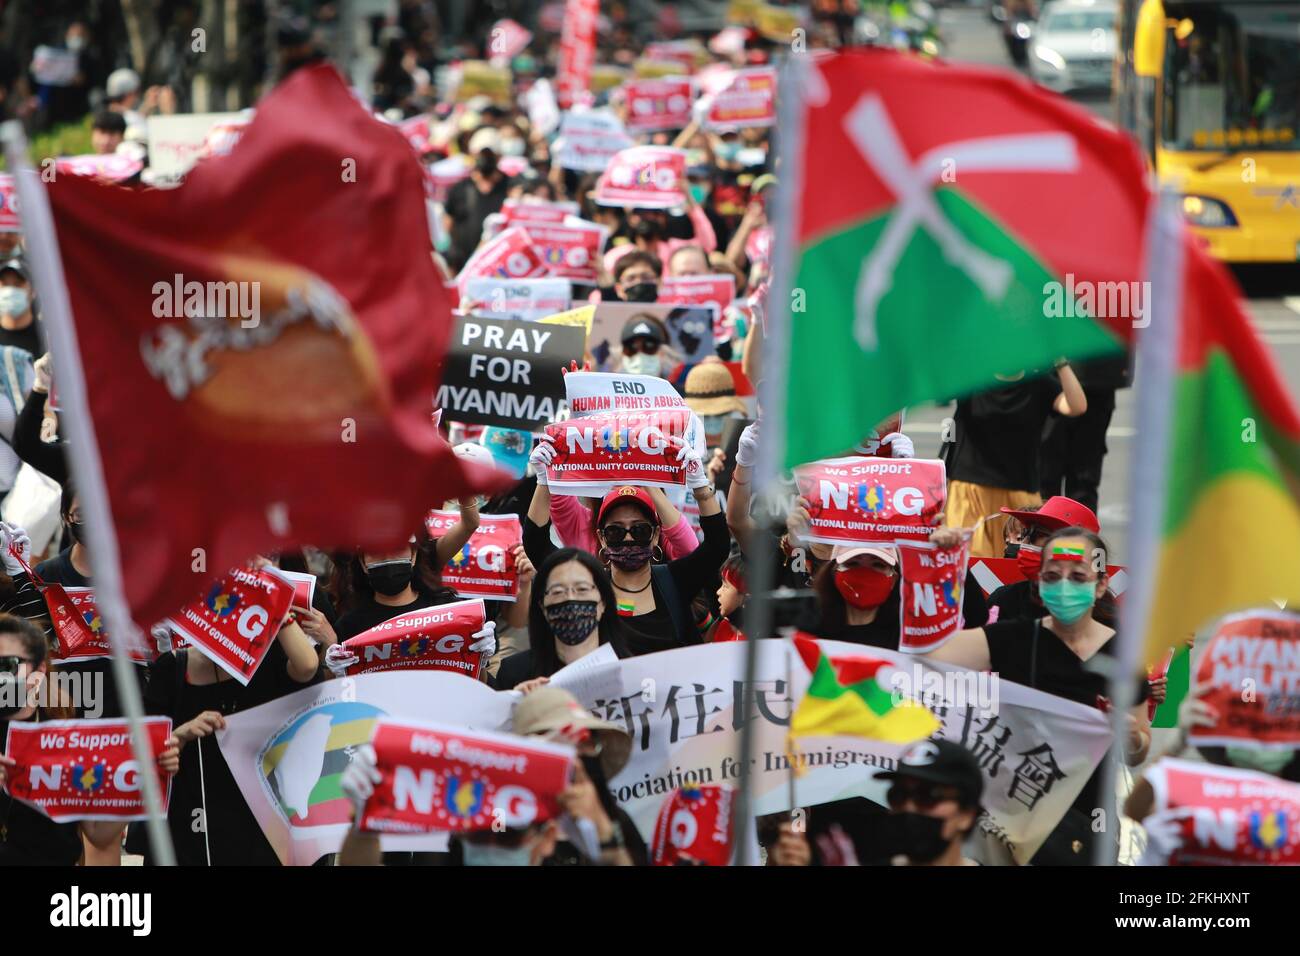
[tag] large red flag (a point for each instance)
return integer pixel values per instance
(260, 346)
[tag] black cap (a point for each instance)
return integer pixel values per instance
(16, 265)
(640, 326)
(942, 762)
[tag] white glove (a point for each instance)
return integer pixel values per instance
(359, 779)
(162, 638)
(541, 457)
(14, 539)
(485, 640)
(339, 658)
(747, 450)
(44, 374)
(689, 458)
(899, 444)
(1164, 836)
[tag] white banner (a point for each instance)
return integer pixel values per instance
(589, 139)
(683, 710)
(526, 299)
(176, 141)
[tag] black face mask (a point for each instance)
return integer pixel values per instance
(75, 531)
(1011, 550)
(390, 577)
(919, 838)
(647, 229)
(571, 621)
(629, 556)
(642, 292)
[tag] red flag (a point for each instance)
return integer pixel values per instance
(577, 51)
(297, 411)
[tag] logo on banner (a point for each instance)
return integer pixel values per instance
(313, 746)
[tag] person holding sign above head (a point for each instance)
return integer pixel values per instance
(1053, 654)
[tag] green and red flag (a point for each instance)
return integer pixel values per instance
(847, 698)
(940, 225)
(1216, 506)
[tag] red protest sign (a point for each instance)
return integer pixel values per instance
(9, 221)
(748, 100)
(537, 210)
(83, 769)
(508, 255)
(508, 40)
(436, 777)
(577, 52)
(113, 167)
(234, 623)
(428, 639)
(1233, 817)
(712, 290)
(416, 131)
(647, 177)
(304, 588)
(694, 827)
(658, 104)
(872, 499)
(1251, 667)
(758, 247)
(439, 177)
(79, 627)
(484, 567)
(930, 587)
(993, 573)
(568, 251)
(626, 448)
(685, 53)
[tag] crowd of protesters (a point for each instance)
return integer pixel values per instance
(627, 569)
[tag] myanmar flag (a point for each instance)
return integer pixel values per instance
(939, 225)
(1216, 511)
(846, 698)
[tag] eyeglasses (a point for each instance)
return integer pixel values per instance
(641, 533)
(921, 794)
(1033, 535)
(559, 592)
(1077, 576)
(646, 346)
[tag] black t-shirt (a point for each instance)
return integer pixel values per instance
(885, 628)
(468, 208)
(28, 837)
(370, 613)
(1054, 669)
(1016, 602)
(29, 338)
(99, 671)
(234, 836)
(997, 434)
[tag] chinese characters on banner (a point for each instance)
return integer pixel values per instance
(83, 769)
(485, 566)
(440, 777)
(872, 499)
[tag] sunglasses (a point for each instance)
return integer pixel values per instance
(640, 533)
(648, 346)
(924, 795)
(9, 663)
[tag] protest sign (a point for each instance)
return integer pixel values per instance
(114, 167)
(442, 175)
(177, 141)
(748, 100)
(480, 78)
(1036, 750)
(690, 332)
(1233, 817)
(569, 251)
(579, 318)
(9, 221)
(507, 40)
(287, 755)
(644, 68)
(444, 777)
(872, 499)
(55, 66)
(521, 299)
(79, 627)
(605, 342)
(432, 638)
(577, 51)
(687, 54)
(695, 827)
(1251, 671)
(758, 247)
(602, 393)
(617, 449)
(930, 586)
(509, 255)
(416, 131)
(304, 588)
(714, 291)
(234, 623)
(484, 567)
(543, 110)
(646, 177)
(506, 372)
(83, 769)
(658, 104)
(608, 76)
(590, 139)
(530, 209)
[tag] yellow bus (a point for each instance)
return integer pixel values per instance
(1211, 90)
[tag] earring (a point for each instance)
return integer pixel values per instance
(602, 555)
(658, 554)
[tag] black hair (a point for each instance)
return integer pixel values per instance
(110, 122)
(629, 259)
(834, 613)
(65, 502)
(540, 639)
(33, 640)
(352, 587)
(1106, 610)
(632, 840)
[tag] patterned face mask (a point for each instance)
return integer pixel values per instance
(571, 621)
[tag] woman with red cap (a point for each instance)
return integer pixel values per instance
(1020, 601)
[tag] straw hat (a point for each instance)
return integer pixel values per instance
(549, 709)
(710, 390)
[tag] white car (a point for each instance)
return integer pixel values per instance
(1073, 45)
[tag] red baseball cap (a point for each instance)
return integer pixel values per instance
(628, 495)
(1059, 512)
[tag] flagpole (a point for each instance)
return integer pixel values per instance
(83, 450)
(1156, 350)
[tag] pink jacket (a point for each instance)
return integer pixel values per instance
(705, 238)
(572, 522)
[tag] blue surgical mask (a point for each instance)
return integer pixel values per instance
(489, 854)
(1068, 601)
(699, 191)
(642, 364)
